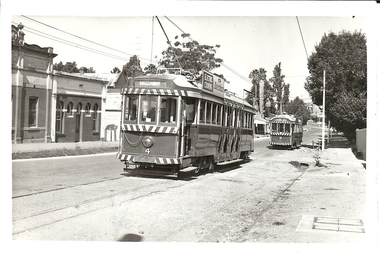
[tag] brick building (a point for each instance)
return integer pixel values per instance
(51, 106)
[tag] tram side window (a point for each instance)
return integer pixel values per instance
(229, 116)
(236, 117)
(202, 111)
(221, 116)
(208, 112)
(131, 108)
(215, 113)
(148, 109)
(168, 110)
(247, 120)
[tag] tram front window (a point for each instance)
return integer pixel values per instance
(148, 109)
(287, 128)
(274, 127)
(281, 128)
(168, 110)
(131, 109)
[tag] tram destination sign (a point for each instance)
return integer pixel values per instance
(212, 84)
(150, 84)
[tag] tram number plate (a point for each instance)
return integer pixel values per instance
(144, 159)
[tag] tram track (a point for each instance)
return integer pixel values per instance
(63, 188)
(117, 198)
(55, 215)
(252, 213)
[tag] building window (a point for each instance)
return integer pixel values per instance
(70, 112)
(59, 117)
(95, 119)
(32, 121)
(87, 110)
(79, 108)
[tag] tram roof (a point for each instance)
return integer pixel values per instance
(182, 81)
(285, 117)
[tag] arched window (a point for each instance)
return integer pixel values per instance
(70, 107)
(95, 118)
(87, 110)
(59, 117)
(79, 108)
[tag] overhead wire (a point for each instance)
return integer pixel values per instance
(168, 41)
(79, 37)
(69, 43)
(303, 41)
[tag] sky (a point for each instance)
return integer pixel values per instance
(246, 42)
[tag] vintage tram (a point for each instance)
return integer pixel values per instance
(171, 124)
(286, 131)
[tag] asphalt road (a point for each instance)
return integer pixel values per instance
(51, 197)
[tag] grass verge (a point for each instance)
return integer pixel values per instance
(62, 152)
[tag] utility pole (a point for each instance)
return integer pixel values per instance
(323, 111)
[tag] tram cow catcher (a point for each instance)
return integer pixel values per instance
(286, 131)
(172, 123)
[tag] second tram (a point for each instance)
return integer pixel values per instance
(286, 131)
(172, 124)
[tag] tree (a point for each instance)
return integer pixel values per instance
(132, 66)
(88, 70)
(343, 57)
(258, 76)
(270, 105)
(115, 70)
(349, 113)
(298, 108)
(150, 69)
(190, 56)
(71, 67)
(281, 90)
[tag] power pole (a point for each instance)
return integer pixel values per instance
(323, 111)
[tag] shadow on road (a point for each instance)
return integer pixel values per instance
(131, 238)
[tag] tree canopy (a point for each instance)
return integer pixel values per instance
(190, 56)
(298, 108)
(132, 66)
(343, 57)
(115, 70)
(71, 67)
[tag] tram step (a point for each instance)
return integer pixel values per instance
(229, 162)
(188, 169)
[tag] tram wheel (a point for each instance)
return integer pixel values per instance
(211, 166)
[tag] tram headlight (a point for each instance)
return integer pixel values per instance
(148, 142)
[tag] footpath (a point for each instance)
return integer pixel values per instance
(41, 150)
